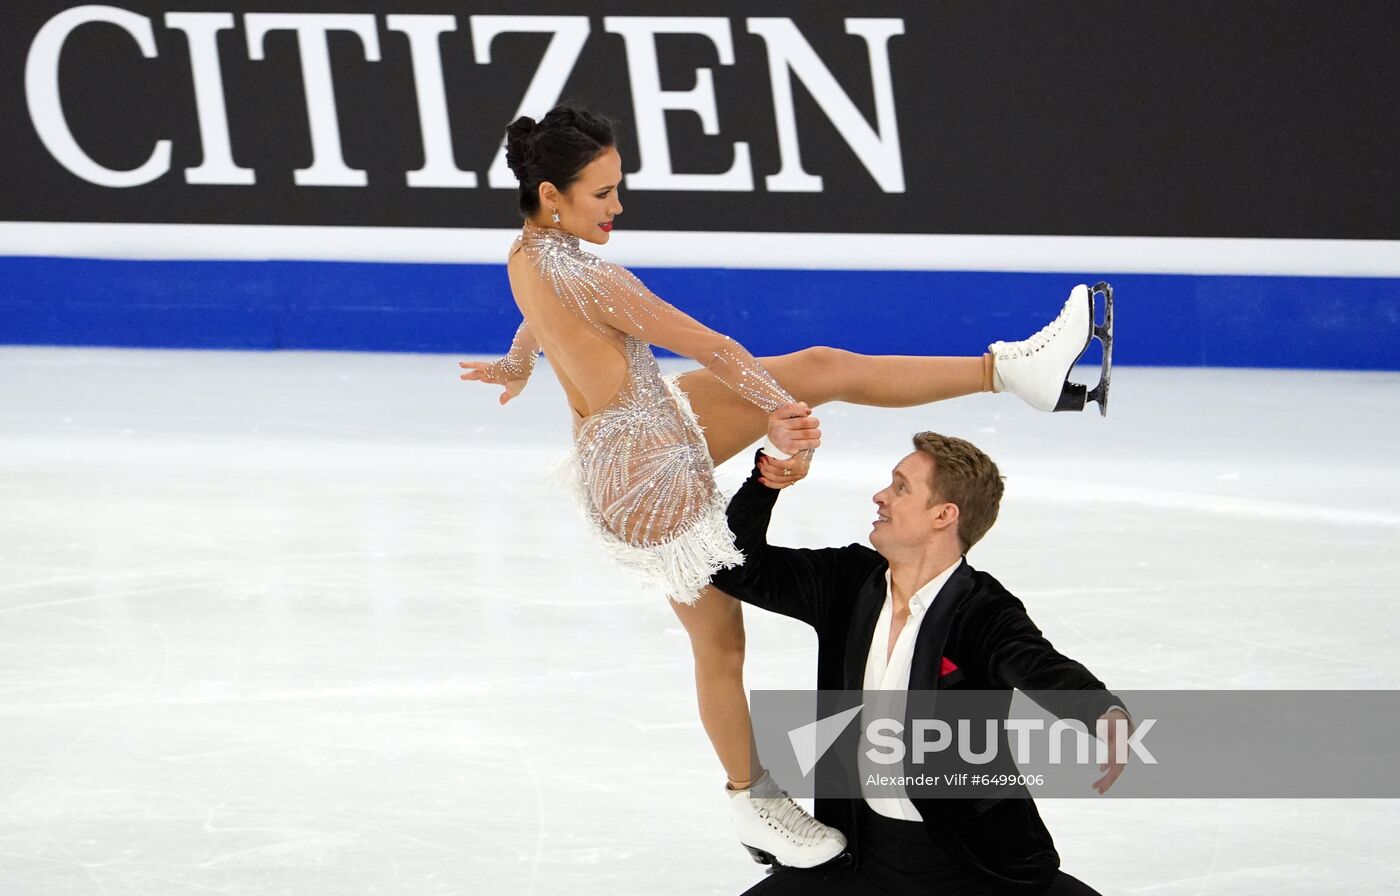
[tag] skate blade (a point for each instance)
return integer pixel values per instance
(1073, 396)
(763, 857)
(1104, 334)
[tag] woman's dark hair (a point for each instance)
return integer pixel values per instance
(554, 149)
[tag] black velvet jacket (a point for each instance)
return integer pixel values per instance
(974, 626)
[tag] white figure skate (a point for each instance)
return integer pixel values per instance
(777, 831)
(1037, 369)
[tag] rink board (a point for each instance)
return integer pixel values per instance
(1162, 319)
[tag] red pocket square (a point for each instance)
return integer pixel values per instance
(947, 667)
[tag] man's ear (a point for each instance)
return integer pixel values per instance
(947, 516)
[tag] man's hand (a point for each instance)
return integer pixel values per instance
(1119, 727)
(780, 474)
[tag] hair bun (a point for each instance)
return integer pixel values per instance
(554, 149)
(518, 145)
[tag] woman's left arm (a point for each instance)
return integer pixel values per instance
(626, 304)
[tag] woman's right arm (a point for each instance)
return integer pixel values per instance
(513, 370)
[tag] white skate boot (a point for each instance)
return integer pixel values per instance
(1037, 369)
(777, 831)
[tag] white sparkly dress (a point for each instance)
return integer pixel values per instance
(640, 462)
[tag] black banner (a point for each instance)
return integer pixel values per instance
(1174, 118)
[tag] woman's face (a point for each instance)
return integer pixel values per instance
(588, 206)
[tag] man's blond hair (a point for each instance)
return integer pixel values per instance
(965, 476)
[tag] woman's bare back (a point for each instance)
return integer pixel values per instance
(590, 365)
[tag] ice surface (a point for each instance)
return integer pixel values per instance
(319, 624)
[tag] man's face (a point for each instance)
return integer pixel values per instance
(904, 519)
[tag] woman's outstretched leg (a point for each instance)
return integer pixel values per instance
(1035, 369)
(821, 374)
(767, 821)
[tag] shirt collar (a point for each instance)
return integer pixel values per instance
(922, 598)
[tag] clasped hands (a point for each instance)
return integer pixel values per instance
(794, 430)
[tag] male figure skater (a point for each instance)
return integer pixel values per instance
(913, 615)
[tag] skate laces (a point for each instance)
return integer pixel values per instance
(1009, 351)
(791, 817)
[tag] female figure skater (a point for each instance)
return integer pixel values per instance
(646, 446)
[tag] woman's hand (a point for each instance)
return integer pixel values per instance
(489, 372)
(793, 428)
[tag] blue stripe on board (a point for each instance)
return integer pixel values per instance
(1305, 322)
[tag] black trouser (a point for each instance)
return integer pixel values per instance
(895, 857)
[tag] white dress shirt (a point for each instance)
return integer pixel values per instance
(891, 673)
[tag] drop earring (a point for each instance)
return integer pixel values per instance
(556, 216)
